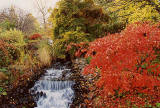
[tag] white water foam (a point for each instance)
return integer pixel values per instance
(53, 93)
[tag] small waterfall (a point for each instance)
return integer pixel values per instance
(51, 92)
(53, 85)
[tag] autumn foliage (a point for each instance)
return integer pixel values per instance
(80, 49)
(124, 65)
(8, 53)
(35, 36)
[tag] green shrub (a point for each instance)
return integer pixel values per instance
(60, 45)
(14, 38)
(6, 25)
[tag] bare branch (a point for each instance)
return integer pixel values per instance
(43, 9)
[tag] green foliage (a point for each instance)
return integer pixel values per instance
(13, 36)
(6, 25)
(132, 10)
(2, 91)
(75, 17)
(60, 45)
(88, 59)
(15, 40)
(3, 69)
(158, 105)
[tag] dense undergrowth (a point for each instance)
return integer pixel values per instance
(20, 54)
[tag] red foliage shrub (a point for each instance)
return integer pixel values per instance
(8, 53)
(35, 36)
(80, 48)
(126, 63)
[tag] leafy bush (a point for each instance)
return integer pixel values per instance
(124, 65)
(35, 36)
(8, 53)
(13, 36)
(79, 49)
(60, 45)
(6, 25)
(16, 38)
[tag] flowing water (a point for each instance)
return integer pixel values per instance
(54, 89)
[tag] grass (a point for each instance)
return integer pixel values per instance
(45, 53)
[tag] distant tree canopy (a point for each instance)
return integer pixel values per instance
(132, 10)
(19, 19)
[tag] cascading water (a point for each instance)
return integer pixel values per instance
(53, 92)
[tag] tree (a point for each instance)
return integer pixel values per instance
(43, 9)
(75, 15)
(76, 20)
(19, 19)
(133, 10)
(80, 17)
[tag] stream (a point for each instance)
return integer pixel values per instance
(54, 88)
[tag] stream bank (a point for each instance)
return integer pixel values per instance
(20, 97)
